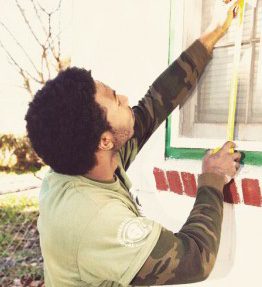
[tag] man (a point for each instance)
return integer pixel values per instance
(91, 231)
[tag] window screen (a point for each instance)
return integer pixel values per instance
(214, 90)
(211, 106)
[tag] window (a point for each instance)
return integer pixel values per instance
(202, 122)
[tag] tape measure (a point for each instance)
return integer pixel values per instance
(234, 80)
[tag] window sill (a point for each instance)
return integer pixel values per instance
(250, 157)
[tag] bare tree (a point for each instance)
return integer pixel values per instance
(50, 57)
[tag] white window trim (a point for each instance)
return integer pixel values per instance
(181, 37)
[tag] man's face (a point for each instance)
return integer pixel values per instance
(118, 113)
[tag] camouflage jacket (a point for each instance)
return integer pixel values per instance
(189, 255)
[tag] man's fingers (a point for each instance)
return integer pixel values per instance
(237, 165)
(227, 178)
(232, 169)
(236, 156)
(235, 9)
(228, 146)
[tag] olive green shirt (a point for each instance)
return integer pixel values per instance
(91, 232)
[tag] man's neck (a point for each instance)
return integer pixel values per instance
(105, 168)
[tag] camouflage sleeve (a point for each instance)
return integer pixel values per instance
(189, 255)
(169, 90)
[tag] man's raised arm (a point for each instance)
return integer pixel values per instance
(175, 84)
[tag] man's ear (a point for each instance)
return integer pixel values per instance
(106, 141)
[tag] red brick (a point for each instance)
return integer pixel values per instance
(251, 192)
(230, 193)
(189, 182)
(174, 181)
(160, 178)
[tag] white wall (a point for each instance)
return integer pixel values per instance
(125, 44)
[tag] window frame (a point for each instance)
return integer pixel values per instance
(184, 147)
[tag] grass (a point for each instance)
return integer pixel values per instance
(20, 255)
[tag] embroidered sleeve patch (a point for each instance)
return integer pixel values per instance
(133, 232)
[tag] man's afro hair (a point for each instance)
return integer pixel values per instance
(65, 123)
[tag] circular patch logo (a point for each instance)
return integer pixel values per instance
(133, 232)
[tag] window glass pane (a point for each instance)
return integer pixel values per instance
(256, 114)
(210, 105)
(214, 89)
(258, 27)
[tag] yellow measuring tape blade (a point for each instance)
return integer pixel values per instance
(241, 10)
(235, 73)
(234, 81)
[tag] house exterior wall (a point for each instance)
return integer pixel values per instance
(125, 44)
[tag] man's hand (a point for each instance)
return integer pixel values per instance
(225, 12)
(223, 162)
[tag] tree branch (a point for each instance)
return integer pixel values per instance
(59, 33)
(52, 12)
(39, 17)
(21, 71)
(27, 22)
(50, 47)
(50, 38)
(21, 47)
(45, 60)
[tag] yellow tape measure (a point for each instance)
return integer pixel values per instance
(234, 80)
(242, 4)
